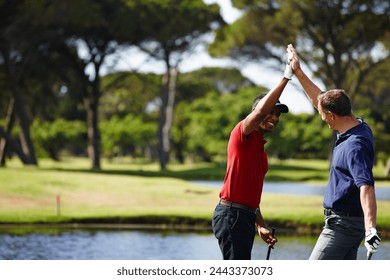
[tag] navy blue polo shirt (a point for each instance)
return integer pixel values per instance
(351, 168)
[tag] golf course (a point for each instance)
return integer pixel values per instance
(128, 194)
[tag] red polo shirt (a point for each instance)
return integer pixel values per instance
(247, 164)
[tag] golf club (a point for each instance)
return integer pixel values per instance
(369, 255)
(270, 246)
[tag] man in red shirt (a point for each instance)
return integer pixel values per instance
(238, 215)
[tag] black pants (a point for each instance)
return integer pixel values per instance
(235, 230)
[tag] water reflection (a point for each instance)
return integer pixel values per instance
(141, 245)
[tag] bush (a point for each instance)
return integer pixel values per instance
(51, 138)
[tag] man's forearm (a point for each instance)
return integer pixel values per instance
(368, 201)
(259, 220)
(312, 90)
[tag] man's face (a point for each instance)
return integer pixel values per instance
(272, 119)
(326, 116)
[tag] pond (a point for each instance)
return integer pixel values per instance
(145, 245)
(293, 188)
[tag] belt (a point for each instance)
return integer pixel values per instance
(238, 206)
(328, 212)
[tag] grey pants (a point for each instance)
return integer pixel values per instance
(340, 238)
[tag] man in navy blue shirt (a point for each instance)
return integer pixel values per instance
(349, 201)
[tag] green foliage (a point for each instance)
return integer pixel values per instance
(212, 118)
(126, 93)
(264, 27)
(381, 136)
(300, 136)
(51, 138)
(336, 38)
(206, 123)
(122, 136)
(175, 23)
(197, 83)
(374, 94)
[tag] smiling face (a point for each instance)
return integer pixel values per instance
(272, 119)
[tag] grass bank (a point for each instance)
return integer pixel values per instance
(126, 194)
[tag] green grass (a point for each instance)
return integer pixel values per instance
(128, 192)
(29, 195)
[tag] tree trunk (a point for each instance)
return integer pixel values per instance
(15, 75)
(169, 111)
(90, 103)
(166, 115)
(6, 140)
(162, 119)
(9, 122)
(25, 139)
(13, 145)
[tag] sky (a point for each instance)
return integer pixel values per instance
(264, 73)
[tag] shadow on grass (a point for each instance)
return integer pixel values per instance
(214, 172)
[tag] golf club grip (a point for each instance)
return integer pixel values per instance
(369, 256)
(270, 247)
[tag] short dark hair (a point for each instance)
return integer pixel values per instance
(336, 101)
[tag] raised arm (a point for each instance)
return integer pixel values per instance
(312, 90)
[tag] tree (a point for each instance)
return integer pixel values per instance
(173, 28)
(193, 87)
(126, 93)
(374, 96)
(336, 38)
(129, 114)
(21, 45)
(97, 27)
